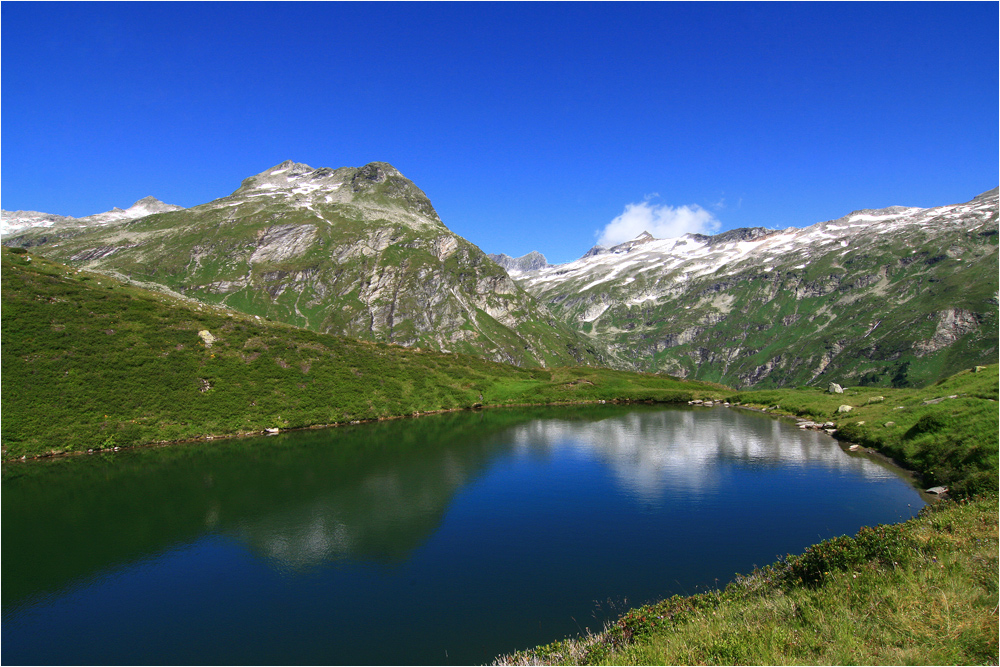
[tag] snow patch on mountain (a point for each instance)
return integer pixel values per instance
(374, 192)
(695, 255)
(17, 221)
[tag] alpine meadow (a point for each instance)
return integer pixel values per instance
(572, 333)
(323, 297)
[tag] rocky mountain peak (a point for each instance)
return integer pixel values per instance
(879, 212)
(988, 195)
(375, 182)
(279, 176)
(148, 206)
(742, 234)
(19, 221)
(374, 172)
(532, 261)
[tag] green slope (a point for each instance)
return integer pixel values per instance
(919, 593)
(91, 362)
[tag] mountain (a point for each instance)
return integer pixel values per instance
(359, 252)
(18, 221)
(530, 262)
(92, 362)
(896, 296)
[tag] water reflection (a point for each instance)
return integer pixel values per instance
(678, 450)
(471, 533)
(379, 515)
(385, 513)
(372, 493)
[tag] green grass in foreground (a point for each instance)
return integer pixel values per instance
(91, 363)
(919, 593)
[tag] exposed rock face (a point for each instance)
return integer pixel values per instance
(353, 251)
(283, 242)
(952, 325)
(530, 262)
(874, 297)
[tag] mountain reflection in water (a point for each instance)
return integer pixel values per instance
(382, 513)
(651, 452)
(540, 512)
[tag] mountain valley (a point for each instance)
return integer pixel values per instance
(898, 296)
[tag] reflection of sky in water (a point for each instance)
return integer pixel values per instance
(650, 454)
(653, 452)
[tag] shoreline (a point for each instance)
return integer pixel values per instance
(316, 427)
(846, 446)
(912, 476)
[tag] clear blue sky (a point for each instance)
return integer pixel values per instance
(530, 126)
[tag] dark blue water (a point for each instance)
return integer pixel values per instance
(440, 540)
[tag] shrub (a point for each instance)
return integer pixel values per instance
(885, 544)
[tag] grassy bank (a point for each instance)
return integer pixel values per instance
(89, 362)
(946, 432)
(922, 592)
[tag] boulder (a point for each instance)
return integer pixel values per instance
(206, 336)
(844, 408)
(835, 388)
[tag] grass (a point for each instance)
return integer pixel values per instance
(947, 431)
(91, 363)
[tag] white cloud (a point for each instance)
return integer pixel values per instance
(662, 221)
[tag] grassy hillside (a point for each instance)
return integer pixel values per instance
(364, 255)
(89, 362)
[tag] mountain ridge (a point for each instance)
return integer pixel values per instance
(356, 251)
(17, 221)
(669, 304)
(894, 295)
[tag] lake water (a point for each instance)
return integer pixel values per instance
(441, 540)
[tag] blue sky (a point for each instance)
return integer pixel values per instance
(530, 126)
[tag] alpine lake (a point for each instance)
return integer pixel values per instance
(448, 539)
